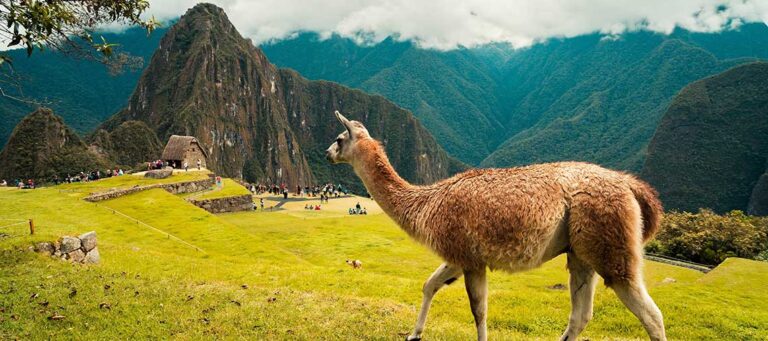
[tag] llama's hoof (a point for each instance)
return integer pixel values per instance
(412, 338)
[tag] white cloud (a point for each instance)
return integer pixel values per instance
(446, 24)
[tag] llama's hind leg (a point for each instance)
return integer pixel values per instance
(444, 275)
(582, 286)
(477, 290)
(634, 295)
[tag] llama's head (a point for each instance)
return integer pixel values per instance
(343, 150)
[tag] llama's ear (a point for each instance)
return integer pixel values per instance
(347, 124)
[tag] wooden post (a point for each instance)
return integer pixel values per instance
(31, 227)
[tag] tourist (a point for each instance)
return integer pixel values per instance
(120, 172)
(285, 193)
(199, 164)
(186, 166)
(261, 202)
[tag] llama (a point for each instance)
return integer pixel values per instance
(516, 219)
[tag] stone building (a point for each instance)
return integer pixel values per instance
(184, 148)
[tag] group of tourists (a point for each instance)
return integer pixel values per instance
(324, 192)
(358, 210)
(56, 180)
(89, 176)
(160, 164)
(19, 183)
(311, 207)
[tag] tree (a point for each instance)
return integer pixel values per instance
(67, 26)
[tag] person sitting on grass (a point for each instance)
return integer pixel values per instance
(3, 183)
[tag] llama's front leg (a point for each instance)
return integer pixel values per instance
(582, 285)
(445, 274)
(477, 290)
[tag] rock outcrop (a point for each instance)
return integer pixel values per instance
(158, 173)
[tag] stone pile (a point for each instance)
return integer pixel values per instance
(80, 249)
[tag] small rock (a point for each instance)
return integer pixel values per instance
(69, 244)
(45, 247)
(88, 241)
(56, 317)
(93, 257)
(105, 305)
(244, 286)
(271, 299)
(77, 256)
(558, 286)
(669, 280)
(57, 253)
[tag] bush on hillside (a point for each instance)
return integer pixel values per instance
(709, 238)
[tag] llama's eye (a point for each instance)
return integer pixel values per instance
(339, 141)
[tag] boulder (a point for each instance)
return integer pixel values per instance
(158, 173)
(92, 257)
(45, 247)
(76, 256)
(88, 241)
(69, 244)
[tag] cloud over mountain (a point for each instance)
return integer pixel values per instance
(446, 24)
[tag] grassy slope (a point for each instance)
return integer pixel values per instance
(297, 257)
(230, 188)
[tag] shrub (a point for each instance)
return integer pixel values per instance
(708, 238)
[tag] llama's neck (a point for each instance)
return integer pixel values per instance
(396, 196)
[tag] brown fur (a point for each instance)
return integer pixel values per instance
(507, 218)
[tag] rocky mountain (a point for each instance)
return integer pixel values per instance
(42, 146)
(258, 121)
(711, 147)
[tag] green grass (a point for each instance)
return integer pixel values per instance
(298, 284)
(230, 188)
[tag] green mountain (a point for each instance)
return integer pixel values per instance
(130, 144)
(42, 146)
(711, 147)
(84, 93)
(591, 98)
(260, 122)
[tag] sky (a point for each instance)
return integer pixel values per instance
(447, 24)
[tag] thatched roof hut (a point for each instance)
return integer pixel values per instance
(182, 149)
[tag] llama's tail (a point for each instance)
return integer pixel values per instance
(650, 206)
